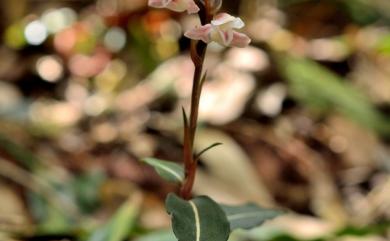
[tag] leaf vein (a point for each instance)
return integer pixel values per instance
(197, 221)
(176, 175)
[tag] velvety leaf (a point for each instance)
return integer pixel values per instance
(248, 216)
(200, 219)
(170, 171)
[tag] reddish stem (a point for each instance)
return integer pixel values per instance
(198, 52)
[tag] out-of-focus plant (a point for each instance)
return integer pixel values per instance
(201, 218)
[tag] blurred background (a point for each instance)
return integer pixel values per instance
(89, 87)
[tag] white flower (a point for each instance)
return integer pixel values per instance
(221, 30)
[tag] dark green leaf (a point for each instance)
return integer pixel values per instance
(170, 171)
(200, 219)
(248, 216)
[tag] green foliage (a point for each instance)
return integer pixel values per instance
(51, 219)
(142, 47)
(248, 216)
(361, 11)
(200, 219)
(323, 90)
(18, 153)
(86, 189)
(383, 45)
(163, 235)
(168, 170)
(121, 224)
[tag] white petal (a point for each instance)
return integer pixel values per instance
(238, 23)
(158, 3)
(178, 6)
(222, 18)
(192, 7)
(240, 40)
(200, 33)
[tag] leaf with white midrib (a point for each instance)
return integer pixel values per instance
(199, 219)
(170, 171)
(248, 216)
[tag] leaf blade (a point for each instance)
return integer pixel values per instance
(199, 219)
(161, 235)
(170, 171)
(207, 149)
(248, 216)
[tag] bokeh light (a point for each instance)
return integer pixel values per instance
(50, 68)
(14, 36)
(56, 20)
(35, 32)
(115, 39)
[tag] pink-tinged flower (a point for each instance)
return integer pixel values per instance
(221, 30)
(176, 5)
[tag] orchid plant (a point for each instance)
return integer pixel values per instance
(201, 218)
